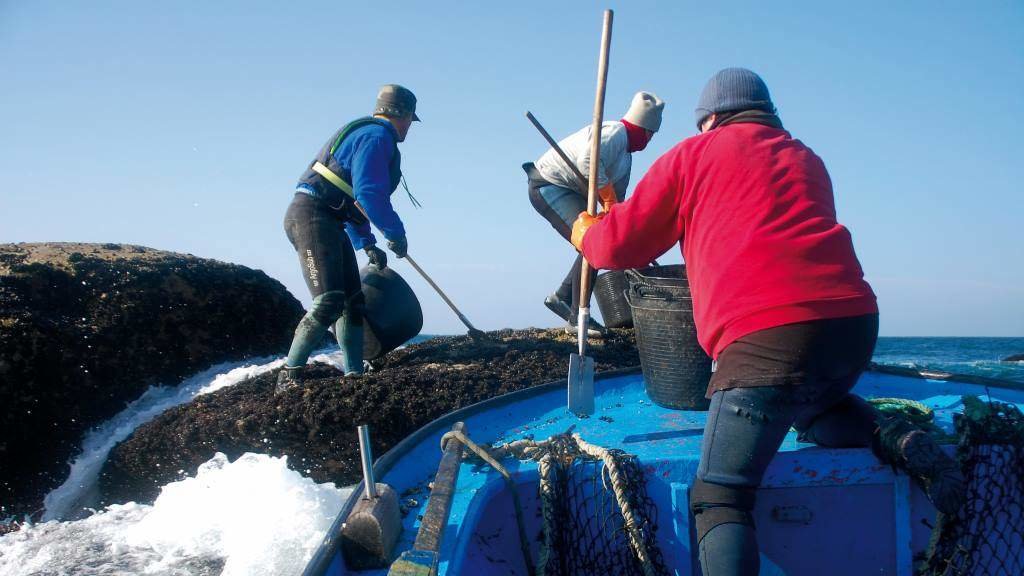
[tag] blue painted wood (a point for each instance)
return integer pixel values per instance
(683, 544)
(819, 510)
(901, 521)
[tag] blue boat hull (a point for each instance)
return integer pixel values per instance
(819, 510)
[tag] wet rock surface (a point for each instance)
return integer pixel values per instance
(314, 425)
(8, 527)
(1014, 358)
(86, 328)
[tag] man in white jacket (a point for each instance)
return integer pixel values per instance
(558, 195)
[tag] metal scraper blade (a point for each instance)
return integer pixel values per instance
(581, 385)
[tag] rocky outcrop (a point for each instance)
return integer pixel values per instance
(315, 424)
(1014, 358)
(85, 328)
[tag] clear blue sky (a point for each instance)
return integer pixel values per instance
(184, 125)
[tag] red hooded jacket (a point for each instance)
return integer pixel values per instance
(754, 211)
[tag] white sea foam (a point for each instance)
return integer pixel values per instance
(253, 516)
(79, 490)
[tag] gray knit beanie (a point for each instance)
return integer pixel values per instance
(645, 111)
(732, 90)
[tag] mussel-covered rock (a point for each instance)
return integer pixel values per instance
(86, 328)
(315, 424)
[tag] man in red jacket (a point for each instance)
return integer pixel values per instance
(780, 304)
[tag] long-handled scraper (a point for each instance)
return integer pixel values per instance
(347, 189)
(558, 150)
(581, 366)
(474, 333)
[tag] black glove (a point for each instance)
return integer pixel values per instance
(378, 257)
(399, 247)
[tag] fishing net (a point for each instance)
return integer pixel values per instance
(986, 538)
(597, 517)
(916, 413)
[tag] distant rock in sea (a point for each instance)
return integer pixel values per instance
(1014, 358)
(87, 328)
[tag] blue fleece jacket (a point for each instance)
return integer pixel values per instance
(365, 155)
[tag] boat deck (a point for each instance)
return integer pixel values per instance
(836, 511)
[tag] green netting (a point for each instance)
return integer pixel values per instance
(913, 412)
(986, 538)
(598, 518)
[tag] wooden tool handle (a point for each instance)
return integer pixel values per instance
(595, 149)
(561, 153)
(441, 293)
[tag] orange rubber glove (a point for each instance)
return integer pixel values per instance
(580, 226)
(607, 196)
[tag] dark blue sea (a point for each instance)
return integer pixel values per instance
(975, 356)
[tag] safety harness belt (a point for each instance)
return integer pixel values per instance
(338, 182)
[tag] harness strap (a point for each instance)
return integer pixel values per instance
(338, 182)
(349, 128)
(333, 177)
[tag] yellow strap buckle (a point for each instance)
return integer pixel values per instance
(337, 181)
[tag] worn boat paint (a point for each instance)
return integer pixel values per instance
(835, 511)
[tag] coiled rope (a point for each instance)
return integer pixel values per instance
(560, 451)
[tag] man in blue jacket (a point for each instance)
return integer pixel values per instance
(347, 187)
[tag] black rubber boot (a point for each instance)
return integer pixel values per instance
(288, 378)
(563, 311)
(559, 307)
(908, 448)
(594, 329)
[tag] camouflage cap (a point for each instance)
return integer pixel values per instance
(395, 100)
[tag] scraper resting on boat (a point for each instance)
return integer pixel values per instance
(779, 300)
(558, 195)
(346, 187)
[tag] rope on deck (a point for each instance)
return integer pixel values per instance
(619, 487)
(913, 412)
(554, 456)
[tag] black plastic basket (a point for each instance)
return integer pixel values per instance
(392, 314)
(672, 275)
(676, 369)
(609, 291)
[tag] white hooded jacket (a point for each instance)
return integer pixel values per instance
(614, 166)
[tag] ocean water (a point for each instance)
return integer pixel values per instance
(973, 356)
(207, 523)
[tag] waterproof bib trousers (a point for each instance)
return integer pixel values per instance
(331, 272)
(797, 375)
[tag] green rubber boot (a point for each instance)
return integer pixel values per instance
(290, 377)
(308, 335)
(350, 338)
